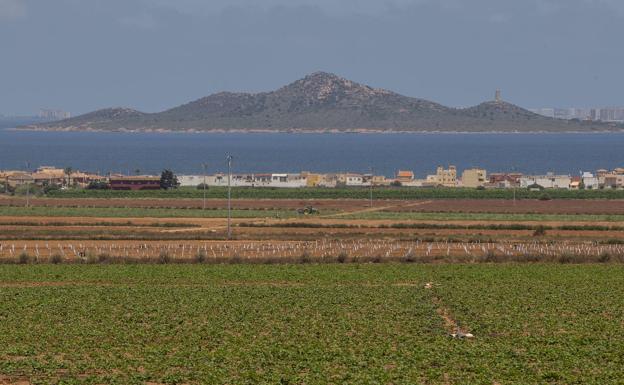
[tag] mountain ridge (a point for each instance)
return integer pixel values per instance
(322, 101)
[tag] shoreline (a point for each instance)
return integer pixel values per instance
(306, 131)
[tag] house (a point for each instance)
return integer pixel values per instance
(329, 180)
(139, 182)
(505, 180)
(282, 178)
(474, 177)
(19, 178)
(83, 179)
(312, 179)
(191, 180)
(590, 182)
(612, 181)
(262, 179)
(550, 181)
(381, 180)
(354, 179)
(575, 183)
(444, 177)
(46, 175)
(4, 177)
(405, 176)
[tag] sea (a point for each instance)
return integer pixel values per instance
(185, 153)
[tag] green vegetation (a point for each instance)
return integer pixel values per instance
(352, 106)
(407, 193)
(168, 180)
(139, 212)
(486, 216)
(313, 324)
(121, 212)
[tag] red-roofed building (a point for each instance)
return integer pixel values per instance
(405, 176)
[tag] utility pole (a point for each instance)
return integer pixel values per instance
(229, 206)
(371, 187)
(205, 166)
(513, 170)
(27, 186)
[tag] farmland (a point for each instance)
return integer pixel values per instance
(313, 324)
(151, 291)
(151, 229)
(409, 193)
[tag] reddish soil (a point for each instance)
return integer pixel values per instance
(561, 206)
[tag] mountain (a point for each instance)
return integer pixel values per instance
(323, 102)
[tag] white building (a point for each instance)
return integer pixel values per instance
(354, 180)
(191, 180)
(590, 181)
(550, 180)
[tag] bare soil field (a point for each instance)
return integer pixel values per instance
(555, 206)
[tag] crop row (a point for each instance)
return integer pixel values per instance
(409, 193)
(309, 251)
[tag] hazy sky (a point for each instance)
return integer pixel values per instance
(81, 55)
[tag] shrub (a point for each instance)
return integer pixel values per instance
(56, 259)
(544, 197)
(200, 257)
(23, 258)
(103, 258)
(540, 231)
(408, 258)
(305, 257)
(566, 258)
(98, 185)
(604, 257)
(491, 257)
(164, 257)
(342, 257)
(91, 258)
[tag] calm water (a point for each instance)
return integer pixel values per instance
(184, 153)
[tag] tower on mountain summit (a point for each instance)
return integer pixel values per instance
(497, 96)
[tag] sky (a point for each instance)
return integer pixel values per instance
(82, 55)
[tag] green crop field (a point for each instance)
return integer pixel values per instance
(345, 193)
(311, 324)
(136, 212)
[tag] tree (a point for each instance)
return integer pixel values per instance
(201, 186)
(68, 172)
(168, 180)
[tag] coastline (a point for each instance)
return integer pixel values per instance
(306, 131)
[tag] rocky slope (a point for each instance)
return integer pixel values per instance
(320, 102)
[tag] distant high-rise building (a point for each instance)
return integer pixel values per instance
(607, 114)
(497, 96)
(53, 114)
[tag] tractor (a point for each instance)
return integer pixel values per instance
(308, 210)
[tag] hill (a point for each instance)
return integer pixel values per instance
(323, 102)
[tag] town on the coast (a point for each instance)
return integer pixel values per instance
(477, 178)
